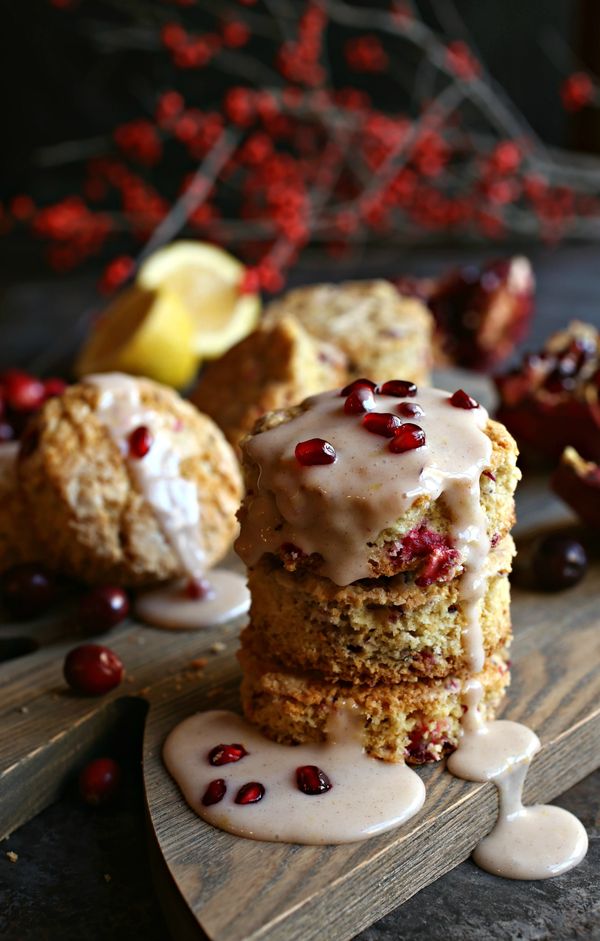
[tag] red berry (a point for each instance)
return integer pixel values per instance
(215, 792)
(250, 793)
(359, 401)
(92, 669)
(410, 410)
(140, 442)
(382, 423)
(99, 781)
(408, 438)
(358, 384)
(103, 607)
(399, 388)
(314, 451)
(225, 754)
(28, 590)
(311, 780)
(199, 589)
(24, 393)
(54, 387)
(558, 562)
(460, 399)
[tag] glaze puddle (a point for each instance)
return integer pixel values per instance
(170, 606)
(367, 797)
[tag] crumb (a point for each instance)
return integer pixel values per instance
(129, 678)
(12, 856)
(141, 641)
(107, 877)
(217, 647)
(199, 663)
(178, 687)
(144, 691)
(214, 692)
(24, 710)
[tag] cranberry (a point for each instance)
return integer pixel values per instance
(382, 423)
(24, 393)
(399, 388)
(92, 669)
(311, 780)
(250, 793)
(199, 589)
(28, 590)
(358, 384)
(54, 387)
(558, 562)
(359, 401)
(104, 607)
(314, 451)
(140, 442)
(225, 754)
(408, 438)
(460, 399)
(215, 792)
(99, 781)
(410, 410)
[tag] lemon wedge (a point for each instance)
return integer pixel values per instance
(207, 281)
(147, 333)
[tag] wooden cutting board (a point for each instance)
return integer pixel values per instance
(240, 890)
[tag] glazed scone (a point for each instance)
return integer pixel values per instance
(382, 333)
(17, 541)
(419, 722)
(372, 631)
(90, 512)
(275, 367)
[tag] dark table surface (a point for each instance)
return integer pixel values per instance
(84, 874)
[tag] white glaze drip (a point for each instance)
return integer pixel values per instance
(367, 796)
(170, 606)
(173, 499)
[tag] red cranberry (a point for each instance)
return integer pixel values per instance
(24, 393)
(408, 438)
(92, 669)
(104, 607)
(359, 401)
(559, 562)
(314, 451)
(225, 754)
(358, 384)
(410, 410)
(460, 399)
(382, 423)
(250, 793)
(399, 388)
(199, 589)
(140, 442)
(54, 387)
(215, 792)
(99, 781)
(311, 780)
(28, 590)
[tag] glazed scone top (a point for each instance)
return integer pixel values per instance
(336, 510)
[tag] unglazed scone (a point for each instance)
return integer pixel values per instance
(276, 366)
(95, 515)
(381, 332)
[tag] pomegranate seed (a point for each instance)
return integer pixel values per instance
(359, 401)
(199, 589)
(250, 793)
(460, 399)
(311, 780)
(215, 792)
(408, 438)
(358, 384)
(99, 781)
(53, 387)
(315, 451)
(92, 669)
(140, 442)
(382, 423)
(28, 590)
(410, 410)
(24, 393)
(103, 607)
(225, 754)
(398, 387)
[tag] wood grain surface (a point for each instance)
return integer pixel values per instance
(236, 889)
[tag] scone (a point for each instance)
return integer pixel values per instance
(275, 367)
(382, 333)
(124, 481)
